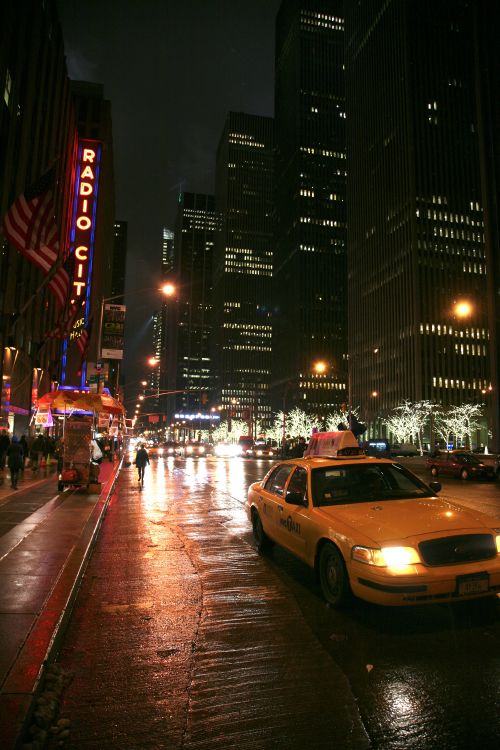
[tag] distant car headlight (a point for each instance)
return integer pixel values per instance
(259, 453)
(189, 449)
(387, 557)
(160, 451)
(170, 451)
(201, 449)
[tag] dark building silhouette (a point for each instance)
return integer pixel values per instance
(422, 105)
(243, 265)
(190, 313)
(37, 130)
(119, 259)
(310, 253)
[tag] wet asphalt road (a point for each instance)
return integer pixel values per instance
(421, 677)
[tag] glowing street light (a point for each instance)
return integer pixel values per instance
(153, 361)
(463, 309)
(168, 289)
(320, 367)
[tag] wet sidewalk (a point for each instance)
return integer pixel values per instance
(46, 540)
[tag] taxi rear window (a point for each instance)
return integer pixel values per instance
(343, 485)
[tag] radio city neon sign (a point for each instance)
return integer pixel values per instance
(84, 214)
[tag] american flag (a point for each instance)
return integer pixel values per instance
(82, 343)
(30, 226)
(60, 283)
(66, 321)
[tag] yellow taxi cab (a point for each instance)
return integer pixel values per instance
(371, 528)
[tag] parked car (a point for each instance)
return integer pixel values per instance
(459, 463)
(370, 527)
(404, 449)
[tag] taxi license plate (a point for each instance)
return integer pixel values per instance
(476, 583)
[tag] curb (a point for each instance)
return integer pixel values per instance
(26, 678)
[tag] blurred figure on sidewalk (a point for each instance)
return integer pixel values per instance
(4, 444)
(24, 445)
(15, 460)
(36, 452)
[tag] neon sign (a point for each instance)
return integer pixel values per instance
(83, 227)
(84, 214)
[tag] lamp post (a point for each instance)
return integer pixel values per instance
(168, 289)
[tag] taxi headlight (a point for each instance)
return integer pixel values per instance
(387, 557)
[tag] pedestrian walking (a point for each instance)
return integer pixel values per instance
(141, 459)
(4, 444)
(24, 445)
(36, 452)
(14, 460)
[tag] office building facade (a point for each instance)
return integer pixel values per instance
(422, 202)
(188, 355)
(310, 349)
(243, 265)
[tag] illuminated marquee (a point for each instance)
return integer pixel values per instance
(83, 223)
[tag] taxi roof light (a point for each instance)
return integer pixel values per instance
(334, 445)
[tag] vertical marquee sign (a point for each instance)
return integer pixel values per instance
(82, 234)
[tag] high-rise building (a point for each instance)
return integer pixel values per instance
(37, 131)
(422, 99)
(188, 354)
(243, 264)
(158, 373)
(310, 349)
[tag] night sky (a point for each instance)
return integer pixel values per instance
(172, 69)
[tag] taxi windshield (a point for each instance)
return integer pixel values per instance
(355, 483)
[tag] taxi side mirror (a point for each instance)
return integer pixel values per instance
(435, 486)
(296, 498)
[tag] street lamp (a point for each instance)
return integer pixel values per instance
(463, 308)
(168, 289)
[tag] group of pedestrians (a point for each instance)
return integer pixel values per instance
(15, 451)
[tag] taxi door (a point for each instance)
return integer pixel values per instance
(294, 522)
(270, 500)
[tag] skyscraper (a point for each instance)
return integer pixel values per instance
(422, 232)
(310, 254)
(243, 264)
(188, 345)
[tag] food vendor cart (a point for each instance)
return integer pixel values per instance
(81, 409)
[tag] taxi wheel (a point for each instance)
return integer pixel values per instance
(333, 576)
(464, 474)
(434, 471)
(262, 541)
